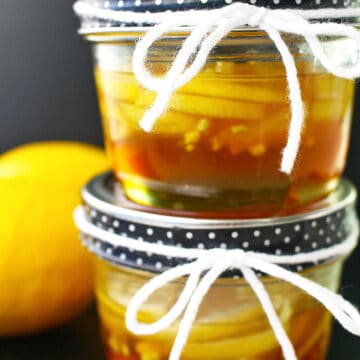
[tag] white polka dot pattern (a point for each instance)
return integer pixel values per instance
(285, 239)
(181, 5)
(156, 5)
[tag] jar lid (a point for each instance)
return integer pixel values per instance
(96, 16)
(180, 5)
(327, 224)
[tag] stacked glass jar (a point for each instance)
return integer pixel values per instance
(208, 175)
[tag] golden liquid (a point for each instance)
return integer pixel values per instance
(230, 325)
(218, 146)
(308, 331)
(253, 340)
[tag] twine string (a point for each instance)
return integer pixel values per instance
(274, 320)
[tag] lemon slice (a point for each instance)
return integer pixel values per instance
(253, 91)
(249, 321)
(244, 346)
(125, 86)
(218, 325)
(116, 84)
(125, 119)
(205, 106)
(122, 88)
(327, 110)
(326, 86)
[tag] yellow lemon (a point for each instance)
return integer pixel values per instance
(45, 274)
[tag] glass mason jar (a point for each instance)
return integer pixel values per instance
(231, 323)
(217, 148)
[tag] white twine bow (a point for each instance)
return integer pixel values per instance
(207, 268)
(209, 27)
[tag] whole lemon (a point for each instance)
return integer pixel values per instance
(45, 274)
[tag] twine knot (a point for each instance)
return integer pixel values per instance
(237, 258)
(233, 258)
(258, 16)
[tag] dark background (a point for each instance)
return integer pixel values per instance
(47, 92)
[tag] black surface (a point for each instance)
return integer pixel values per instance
(47, 92)
(79, 340)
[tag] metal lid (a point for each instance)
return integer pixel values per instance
(180, 5)
(91, 23)
(327, 224)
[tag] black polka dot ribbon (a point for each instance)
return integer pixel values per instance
(179, 5)
(156, 6)
(321, 228)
